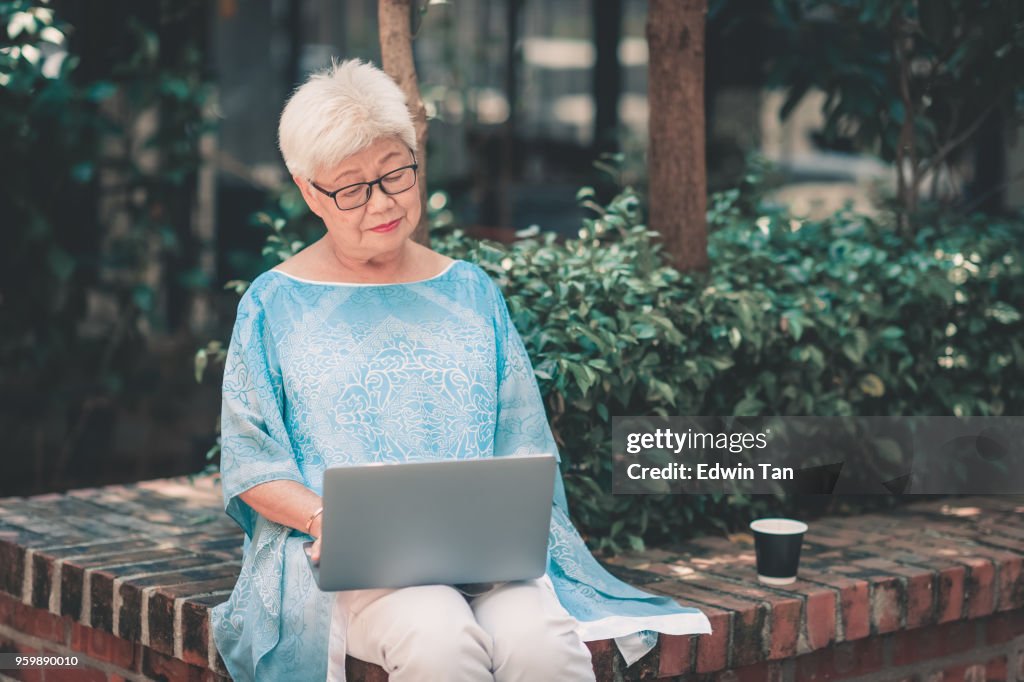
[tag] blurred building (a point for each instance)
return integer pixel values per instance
(514, 92)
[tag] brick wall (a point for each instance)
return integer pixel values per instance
(124, 578)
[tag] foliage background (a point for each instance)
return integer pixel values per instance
(832, 317)
(914, 309)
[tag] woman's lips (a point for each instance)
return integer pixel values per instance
(386, 227)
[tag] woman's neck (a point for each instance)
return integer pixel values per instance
(397, 266)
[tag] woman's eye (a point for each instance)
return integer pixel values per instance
(397, 178)
(352, 193)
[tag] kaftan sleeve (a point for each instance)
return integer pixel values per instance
(255, 445)
(522, 424)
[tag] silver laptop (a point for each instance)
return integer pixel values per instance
(445, 522)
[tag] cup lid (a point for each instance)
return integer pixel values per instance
(778, 526)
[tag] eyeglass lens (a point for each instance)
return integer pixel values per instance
(393, 183)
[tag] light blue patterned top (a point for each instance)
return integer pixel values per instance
(322, 374)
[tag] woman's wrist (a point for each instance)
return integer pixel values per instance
(316, 528)
(313, 523)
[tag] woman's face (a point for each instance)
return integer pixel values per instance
(382, 224)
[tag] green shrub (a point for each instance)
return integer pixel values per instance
(90, 215)
(832, 317)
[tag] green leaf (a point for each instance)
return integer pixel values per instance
(582, 377)
(644, 330)
(889, 450)
(855, 345)
(748, 407)
(200, 364)
(237, 285)
(1004, 313)
(872, 385)
(721, 362)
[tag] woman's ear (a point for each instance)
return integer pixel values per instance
(309, 194)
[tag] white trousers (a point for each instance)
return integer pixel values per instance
(518, 631)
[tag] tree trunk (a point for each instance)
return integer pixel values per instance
(677, 170)
(394, 19)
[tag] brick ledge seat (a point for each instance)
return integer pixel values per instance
(124, 577)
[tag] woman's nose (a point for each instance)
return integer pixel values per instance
(379, 200)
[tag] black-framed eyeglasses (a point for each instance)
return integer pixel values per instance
(358, 194)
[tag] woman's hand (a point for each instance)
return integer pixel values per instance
(315, 531)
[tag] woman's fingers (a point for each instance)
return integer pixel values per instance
(314, 552)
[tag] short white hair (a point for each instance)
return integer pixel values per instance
(339, 111)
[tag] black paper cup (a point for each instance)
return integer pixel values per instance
(777, 544)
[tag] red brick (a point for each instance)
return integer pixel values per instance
(159, 667)
(785, 616)
(1011, 584)
(952, 589)
(949, 582)
(210, 676)
(195, 628)
(131, 592)
(995, 670)
(42, 580)
(854, 603)
(747, 623)
(644, 669)
(918, 585)
(786, 623)
(1002, 627)
(886, 596)
(933, 642)
(843, 532)
(957, 637)
(12, 558)
(40, 623)
(368, 672)
(106, 571)
(161, 610)
(77, 674)
(821, 620)
(1007, 566)
(674, 653)
(104, 646)
(7, 604)
(26, 674)
(713, 650)
(602, 659)
(980, 587)
(911, 646)
(967, 672)
(768, 671)
(920, 600)
(846, 659)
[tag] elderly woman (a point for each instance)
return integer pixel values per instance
(368, 347)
